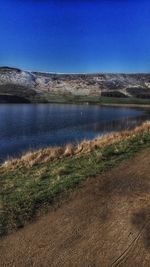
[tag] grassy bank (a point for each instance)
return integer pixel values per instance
(78, 99)
(12, 93)
(36, 179)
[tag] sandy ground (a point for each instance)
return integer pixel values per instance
(105, 222)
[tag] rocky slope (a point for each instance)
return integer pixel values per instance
(23, 86)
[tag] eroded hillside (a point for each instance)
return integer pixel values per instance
(23, 86)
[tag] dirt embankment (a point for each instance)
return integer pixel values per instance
(106, 222)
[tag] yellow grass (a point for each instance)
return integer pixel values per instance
(54, 153)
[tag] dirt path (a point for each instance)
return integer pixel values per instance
(106, 222)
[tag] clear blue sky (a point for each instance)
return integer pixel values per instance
(75, 36)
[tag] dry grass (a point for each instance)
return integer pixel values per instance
(25, 189)
(59, 171)
(54, 153)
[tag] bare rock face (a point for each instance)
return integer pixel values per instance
(16, 76)
(35, 86)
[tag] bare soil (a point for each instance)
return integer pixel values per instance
(105, 222)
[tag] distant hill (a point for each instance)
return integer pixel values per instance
(23, 86)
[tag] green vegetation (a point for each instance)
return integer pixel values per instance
(24, 190)
(13, 93)
(78, 99)
(132, 100)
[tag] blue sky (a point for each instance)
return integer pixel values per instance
(75, 36)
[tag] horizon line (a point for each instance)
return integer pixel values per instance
(72, 73)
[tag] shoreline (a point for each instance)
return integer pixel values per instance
(48, 98)
(127, 105)
(38, 179)
(119, 123)
(82, 103)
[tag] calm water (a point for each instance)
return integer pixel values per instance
(24, 126)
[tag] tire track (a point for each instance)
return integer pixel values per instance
(126, 252)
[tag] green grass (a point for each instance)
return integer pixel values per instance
(11, 91)
(23, 191)
(132, 100)
(55, 98)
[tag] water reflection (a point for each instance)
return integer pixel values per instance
(118, 125)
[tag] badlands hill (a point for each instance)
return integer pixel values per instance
(31, 87)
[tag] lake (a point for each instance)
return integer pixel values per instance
(30, 126)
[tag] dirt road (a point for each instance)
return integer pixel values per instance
(105, 222)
